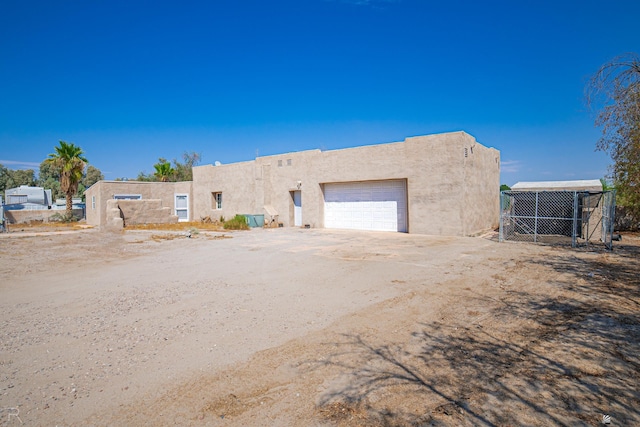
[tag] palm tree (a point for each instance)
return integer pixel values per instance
(164, 171)
(69, 161)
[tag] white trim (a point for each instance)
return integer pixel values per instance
(297, 208)
(217, 204)
(185, 209)
(126, 196)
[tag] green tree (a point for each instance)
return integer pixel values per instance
(23, 177)
(184, 171)
(47, 170)
(49, 179)
(14, 178)
(164, 172)
(4, 178)
(69, 161)
(143, 177)
(606, 185)
(614, 91)
(52, 184)
(91, 176)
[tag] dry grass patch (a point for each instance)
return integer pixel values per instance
(161, 237)
(190, 229)
(177, 226)
(39, 225)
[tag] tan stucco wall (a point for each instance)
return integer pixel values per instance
(25, 215)
(122, 213)
(448, 193)
(105, 190)
(481, 205)
(236, 182)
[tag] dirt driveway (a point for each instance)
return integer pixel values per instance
(315, 327)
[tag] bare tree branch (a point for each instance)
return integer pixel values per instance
(614, 92)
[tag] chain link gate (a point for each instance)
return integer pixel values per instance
(557, 217)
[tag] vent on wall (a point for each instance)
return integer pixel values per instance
(466, 152)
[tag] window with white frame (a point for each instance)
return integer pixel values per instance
(182, 207)
(216, 200)
(93, 202)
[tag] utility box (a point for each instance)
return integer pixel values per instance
(255, 221)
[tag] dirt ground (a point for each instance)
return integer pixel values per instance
(294, 327)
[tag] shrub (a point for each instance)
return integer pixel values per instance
(63, 218)
(238, 222)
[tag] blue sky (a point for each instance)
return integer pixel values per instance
(132, 81)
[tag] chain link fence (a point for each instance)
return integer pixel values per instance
(557, 217)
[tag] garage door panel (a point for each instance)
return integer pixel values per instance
(373, 205)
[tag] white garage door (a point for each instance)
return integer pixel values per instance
(369, 205)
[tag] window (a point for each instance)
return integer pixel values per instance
(93, 202)
(216, 200)
(288, 162)
(279, 163)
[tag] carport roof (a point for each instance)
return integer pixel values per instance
(577, 185)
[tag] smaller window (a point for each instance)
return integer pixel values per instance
(216, 199)
(93, 202)
(279, 163)
(288, 162)
(127, 196)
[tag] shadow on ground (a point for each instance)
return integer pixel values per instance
(569, 360)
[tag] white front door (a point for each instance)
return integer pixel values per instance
(297, 208)
(182, 207)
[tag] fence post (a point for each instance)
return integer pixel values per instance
(501, 234)
(611, 208)
(587, 196)
(535, 223)
(575, 219)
